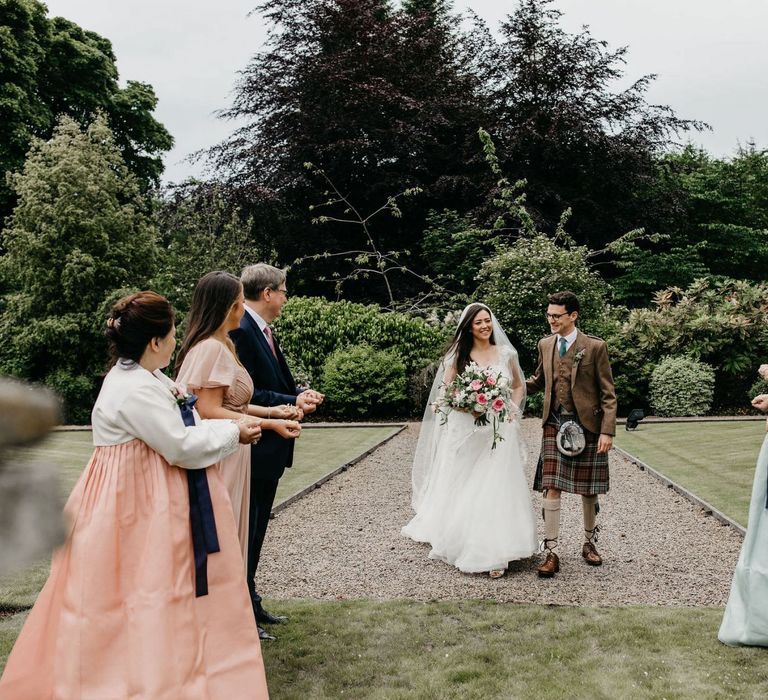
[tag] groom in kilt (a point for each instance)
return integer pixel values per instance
(575, 375)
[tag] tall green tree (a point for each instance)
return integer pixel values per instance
(719, 227)
(80, 232)
(725, 209)
(51, 66)
(202, 229)
(561, 124)
(380, 98)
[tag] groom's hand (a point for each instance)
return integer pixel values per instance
(604, 443)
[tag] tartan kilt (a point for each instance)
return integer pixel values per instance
(585, 474)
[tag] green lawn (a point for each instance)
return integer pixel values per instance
(400, 649)
(716, 461)
(322, 450)
(318, 452)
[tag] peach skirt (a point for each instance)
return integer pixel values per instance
(118, 618)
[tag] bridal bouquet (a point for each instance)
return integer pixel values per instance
(482, 392)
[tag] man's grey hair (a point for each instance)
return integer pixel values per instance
(256, 278)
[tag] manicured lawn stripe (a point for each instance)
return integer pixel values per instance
(478, 649)
(716, 461)
(322, 450)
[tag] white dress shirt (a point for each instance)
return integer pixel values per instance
(259, 320)
(570, 339)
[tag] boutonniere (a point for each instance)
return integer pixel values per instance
(186, 402)
(578, 355)
(182, 397)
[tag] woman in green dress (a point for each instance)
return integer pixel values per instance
(746, 616)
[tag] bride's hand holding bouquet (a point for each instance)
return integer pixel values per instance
(484, 394)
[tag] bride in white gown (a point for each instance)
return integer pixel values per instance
(472, 502)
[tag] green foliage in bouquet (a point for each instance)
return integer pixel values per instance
(682, 386)
(360, 381)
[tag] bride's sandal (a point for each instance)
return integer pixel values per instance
(497, 573)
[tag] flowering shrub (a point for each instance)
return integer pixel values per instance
(722, 323)
(515, 283)
(681, 386)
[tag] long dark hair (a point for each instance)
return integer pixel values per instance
(463, 339)
(133, 321)
(211, 301)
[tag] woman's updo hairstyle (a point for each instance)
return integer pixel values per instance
(134, 321)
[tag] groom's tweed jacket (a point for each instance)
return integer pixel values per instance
(591, 381)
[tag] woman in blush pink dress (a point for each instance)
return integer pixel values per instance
(127, 611)
(208, 366)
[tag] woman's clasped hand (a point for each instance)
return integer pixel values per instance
(250, 429)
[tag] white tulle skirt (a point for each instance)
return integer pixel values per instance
(476, 510)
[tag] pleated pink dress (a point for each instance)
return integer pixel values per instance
(208, 365)
(118, 618)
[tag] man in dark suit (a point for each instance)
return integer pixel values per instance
(265, 292)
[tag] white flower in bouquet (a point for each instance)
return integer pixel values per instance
(484, 393)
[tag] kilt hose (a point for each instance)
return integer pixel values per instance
(585, 474)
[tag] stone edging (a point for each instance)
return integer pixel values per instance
(694, 419)
(708, 508)
(311, 487)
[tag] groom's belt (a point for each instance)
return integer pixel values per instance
(560, 414)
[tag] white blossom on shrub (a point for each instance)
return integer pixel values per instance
(681, 386)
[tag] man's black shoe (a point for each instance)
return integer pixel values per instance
(265, 618)
(265, 636)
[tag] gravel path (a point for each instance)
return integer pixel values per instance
(343, 541)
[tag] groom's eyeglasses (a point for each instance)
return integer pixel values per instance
(554, 317)
(284, 291)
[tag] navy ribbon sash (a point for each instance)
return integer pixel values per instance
(205, 539)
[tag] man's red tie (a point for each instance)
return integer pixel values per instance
(270, 341)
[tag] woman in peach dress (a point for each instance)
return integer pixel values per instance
(123, 614)
(208, 366)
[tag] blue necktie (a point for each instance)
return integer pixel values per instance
(563, 348)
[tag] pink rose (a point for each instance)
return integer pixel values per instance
(475, 385)
(490, 381)
(498, 405)
(482, 399)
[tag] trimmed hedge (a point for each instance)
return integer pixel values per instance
(360, 381)
(311, 329)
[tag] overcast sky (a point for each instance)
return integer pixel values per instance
(709, 55)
